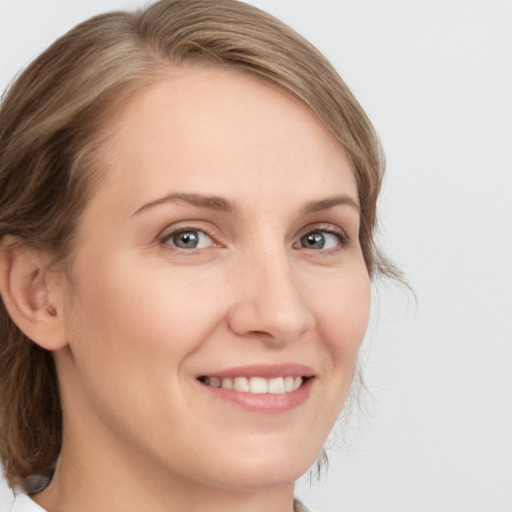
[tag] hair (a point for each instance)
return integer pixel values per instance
(50, 132)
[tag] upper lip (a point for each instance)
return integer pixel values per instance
(264, 370)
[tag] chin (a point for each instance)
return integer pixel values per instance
(267, 469)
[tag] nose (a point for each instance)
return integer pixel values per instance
(270, 302)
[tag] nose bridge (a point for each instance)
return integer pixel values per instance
(269, 297)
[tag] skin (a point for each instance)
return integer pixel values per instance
(147, 317)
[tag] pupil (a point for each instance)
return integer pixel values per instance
(314, 240)
(187, 240)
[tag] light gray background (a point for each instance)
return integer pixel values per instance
(435, 76)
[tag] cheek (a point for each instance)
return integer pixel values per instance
(139, 307)
(343, 314)
(130, 329)
(342, 322)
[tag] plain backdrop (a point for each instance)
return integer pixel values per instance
(435, 77)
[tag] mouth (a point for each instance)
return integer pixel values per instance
(262, 388)
(256, 385)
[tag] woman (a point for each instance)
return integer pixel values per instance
(188, 201)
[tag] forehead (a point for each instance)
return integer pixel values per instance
(205, 128)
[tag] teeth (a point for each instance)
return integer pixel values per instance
(288, 384)
(256, 385)
(276, 385)
(215, 382)
(241, 384)
(227, 384)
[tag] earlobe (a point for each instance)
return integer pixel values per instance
(30, 294)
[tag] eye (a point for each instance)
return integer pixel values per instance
(322, 240)
(188, 239)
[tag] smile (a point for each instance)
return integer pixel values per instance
(261, 388)
(255, 385)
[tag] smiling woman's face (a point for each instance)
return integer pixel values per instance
(221, 250)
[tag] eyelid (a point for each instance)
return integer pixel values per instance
(325, 227)
(184, 226)
(328, 228)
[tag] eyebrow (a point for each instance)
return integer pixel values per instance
(331, 202)
(223, 205)
(209, 202)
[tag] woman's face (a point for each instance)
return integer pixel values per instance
(221, 249)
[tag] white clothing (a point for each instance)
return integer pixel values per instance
(23, 503)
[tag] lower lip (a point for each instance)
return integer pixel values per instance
(272, 403)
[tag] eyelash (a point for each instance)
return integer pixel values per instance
(339, 234)
(167, 236)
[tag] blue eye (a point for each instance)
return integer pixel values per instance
(319, 240)
(189, 239)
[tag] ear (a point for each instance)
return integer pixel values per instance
(31, 293)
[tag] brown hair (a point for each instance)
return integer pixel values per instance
(50, 119)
